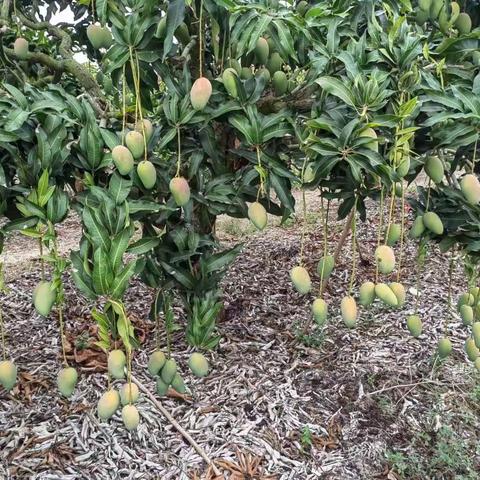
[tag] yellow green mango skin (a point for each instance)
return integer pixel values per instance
(200, 93)
(470, 187)
(476, 333)
(463, 23)
(386, 295)
(66, 381)
(418, 228)
(130, 417)
(399, 290)
(246, 73)
(434, 169)
(366, 294)
(95, 35)
(394, 233)
(129, 393)
(435, 9)
(135, 143)
(325, 266)
(8, 374)
(44, 297)
(320, 311)
(229, 82)
(262, 51)
(414, 325)
(425, 5)
(123, 159)
(178, 384)
(156, 362)
(385, 259)
(147, 174)
(108, 404)
(161, 387)
(116, 363)
(258, 215)
(20, 48)
(180, 191)
(348, 308)
(433, 223)
(198, 364)
(301, 280)
(465, 299)
(466, 312)
(477, 364)
(145, 126)
(169, 371)
(444, 347)
(471, 349)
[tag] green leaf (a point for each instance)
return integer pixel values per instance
(121, 280)
(143, 245)
(335, 87)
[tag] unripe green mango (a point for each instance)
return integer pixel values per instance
(320, 311)
(129, 393)
(444, 347)
(399, 189)
(309, 173)
(135, 143)
(279, 82)
(261, 51)
(471, 349)
(385, 259)
(421, 17)
(168, 371)
(106, 38)
(123, 159)
(180, 191)
(476, 333)
(471, 188)
(325, 266)
(444, 20)
(130, 417)
(301, 279)
(200, 93)
(182, 34)
(108, 404)
(348, 308)
(425, 5)
(246, 73)
(156, 362)
(394, 233)
(434, 169)
(67, 380)
(466, 312)
(178, 384)
(475, 291)
(229, 82)
(366, 294)
(95, 35)
(465, 299)
(274, 63)
(370, 132)
(414, 325)
(435, 9)
(44, 297)
(257, 215)
(302, 7)
(8, 374)
(418, 227)
(399, 290)
(116, 363)
(161, 387)
(433, 223)
(147, 174)
(145, 126)
(386, 295)
(20, 48)
(263, 72)
(198, 364)
(463, 23)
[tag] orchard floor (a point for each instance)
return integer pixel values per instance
(369, 403)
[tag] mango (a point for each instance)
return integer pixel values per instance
(320, 311)
(366, 294)
(418, 227)
(434, 169)
(465, 299)
(145, 126)
(135, 143)
(399, 189)
(399, 290)
(348, 309)
(414, 325)
(466, 312)
(180, 191)
(156, 362)
(280, 82)
(471, 349)
(433, 223)
(421, 17)
(123, 159)
(116, 363)
(444, 20)
(182, 34)
(274, 64)
(325, 266)
(463, 23)
(178, 384)
(44, 297)
(147, 174)
(435, 9)
(67, 380)
(20, 48)
(200, 93)
(425, 5)
(476, 333)
(385, 259)
(161, 387)
(130, 417)
(470, 187)
(261, 51)
(129, 393)
(300, 279)
(229, 82)
(386, 295)
(370, 132)
(394, 233)
(263, 72)
(444, 347)
(108, 404)
(302, 7)
(477, 364)
(106, 38)
(246, 73)
(8, 374)
(198, 364)
(257, 215)
(168, 371)
(95, 35)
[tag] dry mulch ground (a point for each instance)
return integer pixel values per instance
(368, 403)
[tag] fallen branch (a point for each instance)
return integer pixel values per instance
(179, 428)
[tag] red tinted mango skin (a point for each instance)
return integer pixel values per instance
(180, 191)
(200, 93)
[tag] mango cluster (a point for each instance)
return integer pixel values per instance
(165, 371)
(444, 16)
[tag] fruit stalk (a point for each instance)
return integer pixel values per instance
(354, 247)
